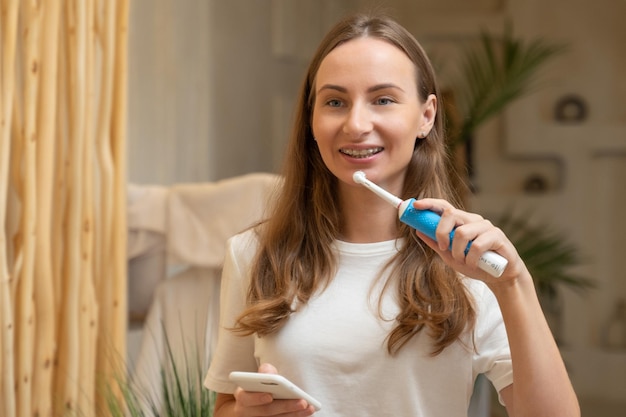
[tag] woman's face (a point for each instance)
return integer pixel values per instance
(367, 114)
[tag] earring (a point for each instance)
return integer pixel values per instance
(422, 135)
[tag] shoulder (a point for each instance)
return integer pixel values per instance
(243, 246)
(489, 321)
(484, 300)
(240, 255)
(246, 240)
(478, 289)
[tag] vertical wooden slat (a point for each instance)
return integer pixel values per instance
(112, 147)
(60, 191)
(118, 144)
(88, 309)
(8, 14)
(25, 317)
(45, 336)
(59, 215)
(105, 224)
(69, 337)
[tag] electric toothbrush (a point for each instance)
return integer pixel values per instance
(426, 221)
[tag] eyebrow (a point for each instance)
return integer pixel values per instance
(372, 89)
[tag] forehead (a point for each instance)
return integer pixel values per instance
(366, 59)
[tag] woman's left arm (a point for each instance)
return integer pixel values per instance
(541, 385)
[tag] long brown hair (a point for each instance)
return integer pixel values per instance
(295, 257)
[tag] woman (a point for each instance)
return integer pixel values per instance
(367, 315)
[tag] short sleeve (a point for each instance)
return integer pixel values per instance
(493, 355)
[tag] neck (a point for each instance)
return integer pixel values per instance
(367, 218)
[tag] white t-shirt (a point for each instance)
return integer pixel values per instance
(335, 347)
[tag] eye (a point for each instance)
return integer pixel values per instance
(383, 101)
(333, 103)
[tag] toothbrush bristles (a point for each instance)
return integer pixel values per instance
(360, 178)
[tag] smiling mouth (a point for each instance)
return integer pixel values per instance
(361, 153)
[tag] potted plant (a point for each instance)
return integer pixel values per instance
(181, 391)
(550, 258)
(494, 73)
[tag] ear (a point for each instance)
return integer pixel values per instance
(429, 111)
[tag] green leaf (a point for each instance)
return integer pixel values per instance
(548, 254)
(496, 72)
(182, 390)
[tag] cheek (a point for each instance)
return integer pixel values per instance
(324, 133)
(314, 125)
(319, 124)
(412, 130)
(404, 132)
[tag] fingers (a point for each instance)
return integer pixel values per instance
(257, 404)
(467, 228)
(452, 219)
(248, 399)
(268, 368)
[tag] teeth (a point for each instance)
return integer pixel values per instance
(360, 153)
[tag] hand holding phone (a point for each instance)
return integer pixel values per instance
(279, 386)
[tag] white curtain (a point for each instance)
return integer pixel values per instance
(169, 108)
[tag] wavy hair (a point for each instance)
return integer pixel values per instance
(295, 257)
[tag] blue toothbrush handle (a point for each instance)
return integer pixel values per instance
(426, 221)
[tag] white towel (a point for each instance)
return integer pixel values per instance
(202, 216)
(146, 244)
(172, 228)
(146, 217)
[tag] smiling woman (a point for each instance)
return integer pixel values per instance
(332, 291)
(366, 113)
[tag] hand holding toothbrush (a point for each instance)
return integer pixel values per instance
(427, 222)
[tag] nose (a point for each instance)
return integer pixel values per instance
(358, 121)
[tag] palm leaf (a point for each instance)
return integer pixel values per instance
(496, 73)
(548, 255)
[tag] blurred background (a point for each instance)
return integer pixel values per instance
(212, 85)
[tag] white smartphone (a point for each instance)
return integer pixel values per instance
(279, 386)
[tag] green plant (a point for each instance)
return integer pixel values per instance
(181, 390)
(550, 258)
(547, 253)
(496, 72)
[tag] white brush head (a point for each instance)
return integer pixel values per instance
(359, 177)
